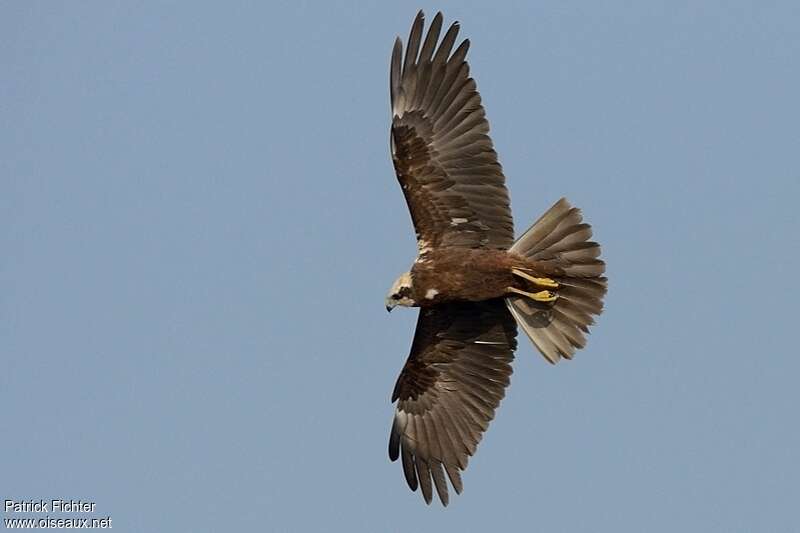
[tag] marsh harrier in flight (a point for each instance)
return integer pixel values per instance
(471, 280)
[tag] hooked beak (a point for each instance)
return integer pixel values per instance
(389, 308)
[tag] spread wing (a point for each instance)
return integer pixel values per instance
(447, 393)
(442, 153)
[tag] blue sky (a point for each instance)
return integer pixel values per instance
(199, 221)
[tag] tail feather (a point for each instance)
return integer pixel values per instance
(559, 243)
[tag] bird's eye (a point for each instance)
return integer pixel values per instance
(395, 296)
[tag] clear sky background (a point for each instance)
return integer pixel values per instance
(199, 221)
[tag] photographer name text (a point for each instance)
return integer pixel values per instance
(49, 506)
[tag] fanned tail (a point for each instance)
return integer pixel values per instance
(559, 244)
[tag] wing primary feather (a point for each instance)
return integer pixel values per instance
(446, 46)
(430, 40)
(394, 437)
(432, 438)
(439, 481)
(465, 435)
(408, 467)
(413, 42)
(460, 54)
(452, 72)
(455, 478)
(424, 476)
(411, 85)
(395, 71)
(423, 441)
(423, 78)
(446, 440)
(425, 68)
(434, 84)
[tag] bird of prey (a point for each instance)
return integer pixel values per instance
(471, 280)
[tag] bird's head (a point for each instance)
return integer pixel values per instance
(401, 293)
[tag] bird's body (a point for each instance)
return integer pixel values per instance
(469, 275)
(474, 284)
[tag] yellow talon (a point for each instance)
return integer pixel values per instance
(539, 282)
(541, 296)
(545, 282)
(544, 296)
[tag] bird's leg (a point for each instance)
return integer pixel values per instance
(541, 296)
(546, 283)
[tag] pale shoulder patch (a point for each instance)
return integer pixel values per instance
(430, 294)
(423, 246)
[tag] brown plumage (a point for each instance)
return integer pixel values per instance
(472, 281)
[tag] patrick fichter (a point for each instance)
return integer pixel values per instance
(49, 506)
